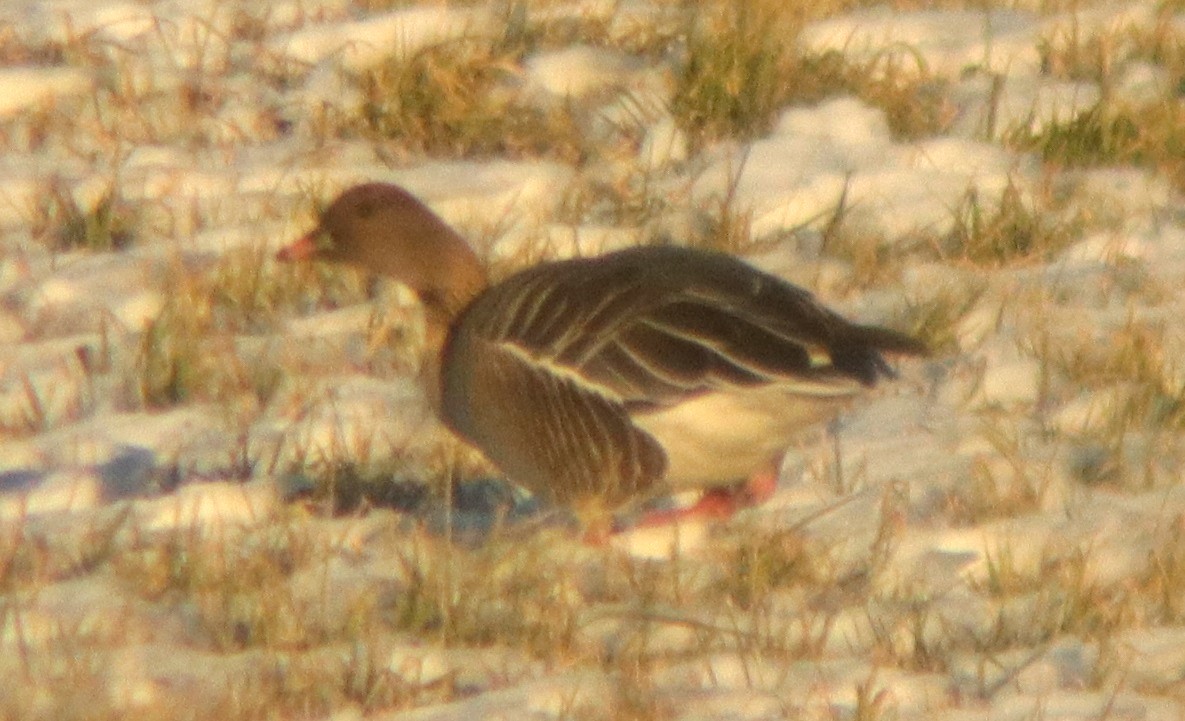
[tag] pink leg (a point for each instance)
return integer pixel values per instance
(722, 502)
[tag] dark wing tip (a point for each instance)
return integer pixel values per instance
(859, 354)
(889, 341)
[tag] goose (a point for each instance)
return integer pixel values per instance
(594, 382)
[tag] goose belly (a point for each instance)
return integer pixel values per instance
(720, 438)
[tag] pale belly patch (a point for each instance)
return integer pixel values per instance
(720, 438)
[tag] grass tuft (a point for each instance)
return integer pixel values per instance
(1101, 135)
(728, 84)
(935, 319)
(64, 223)
(1137, 359)
(742, 67)
(188, 352)
(1010, 230)
(459, 99)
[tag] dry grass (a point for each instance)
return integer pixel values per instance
(1117, 131)
(1159, 584)
(318, 605)
(742, 68)
(247, 591)
(935, 319)
(1009, 481)
(1012, 229)
(182, 359)
(63, 222)
(1138, 359)
(458, 99)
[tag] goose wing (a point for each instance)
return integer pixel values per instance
(543, 370)
(654, 326)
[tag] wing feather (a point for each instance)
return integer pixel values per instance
(652, 326)
(559, 439)
(578, 345)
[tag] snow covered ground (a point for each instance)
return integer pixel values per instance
(998, 535)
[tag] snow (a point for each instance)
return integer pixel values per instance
(1018, 381)
(214, 506)
(1026, 102)
(350, 416)
(946, 42)
(994, 535)
(578, 70)
(363, 43)
(29, 89)
(665, 144)
(842, 149)
(56, 493)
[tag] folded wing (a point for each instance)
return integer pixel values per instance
(576, 346)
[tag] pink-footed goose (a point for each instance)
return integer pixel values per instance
(594, 381)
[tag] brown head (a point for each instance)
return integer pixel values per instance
(383, 229)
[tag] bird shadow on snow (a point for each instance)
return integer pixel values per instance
(470, 513)
(132, 472)
(473, 512)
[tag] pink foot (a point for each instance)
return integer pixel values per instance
(719, 503)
